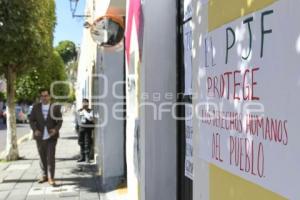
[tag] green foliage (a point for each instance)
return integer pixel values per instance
(26, 33)
(3, 161)
(72, 97)
(26, 38)
(29, 84)
(67, 50)
(2, 96)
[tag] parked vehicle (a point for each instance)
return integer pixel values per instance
(21, 117)
(29, 111)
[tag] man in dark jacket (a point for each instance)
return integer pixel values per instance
(45, 122)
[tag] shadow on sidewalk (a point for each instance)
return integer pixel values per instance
(69, 138)
(103, 185)
(84, 183)
(59, 159)
(82, 176)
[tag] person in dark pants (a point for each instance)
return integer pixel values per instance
(45, 122)
(85, 125)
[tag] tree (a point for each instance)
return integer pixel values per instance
(29, 84)
(67, 50)
(26, 37)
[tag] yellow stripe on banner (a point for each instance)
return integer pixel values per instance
(226, 186)
(221, 12)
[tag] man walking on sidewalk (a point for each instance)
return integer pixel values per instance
(45, 121)
(84, 126)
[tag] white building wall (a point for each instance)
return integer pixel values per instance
(275, 85)
(110, 135)
(158, 76)
(85, 66)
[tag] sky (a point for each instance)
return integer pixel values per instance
(68, 28)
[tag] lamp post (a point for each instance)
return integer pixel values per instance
(73, 8)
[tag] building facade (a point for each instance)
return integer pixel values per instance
(206, 99)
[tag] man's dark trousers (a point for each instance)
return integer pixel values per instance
(46, 149)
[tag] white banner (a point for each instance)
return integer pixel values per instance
(250, 98)
(188, 9)
(189, 166)
(187, 35)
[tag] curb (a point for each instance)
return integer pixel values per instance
(24, 138)
(21, 140)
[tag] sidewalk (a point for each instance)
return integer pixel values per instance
(75, 181)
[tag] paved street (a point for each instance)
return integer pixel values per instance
(75, 181)
(22, 129)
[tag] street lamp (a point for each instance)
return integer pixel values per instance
(73, 8)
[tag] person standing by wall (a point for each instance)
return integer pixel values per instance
(85, 125)
(45, 122)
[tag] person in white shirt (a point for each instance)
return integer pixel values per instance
(85, 124)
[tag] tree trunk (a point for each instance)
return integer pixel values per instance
(11, 152)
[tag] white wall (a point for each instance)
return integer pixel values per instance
(158, 75)
(110, 136)
(87, 57)
(276, 80)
